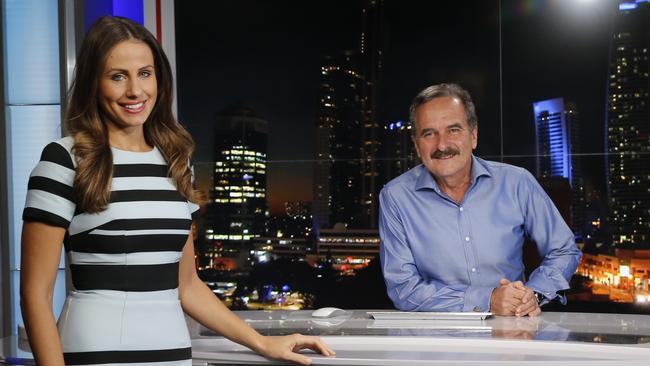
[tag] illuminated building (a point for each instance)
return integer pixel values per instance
(339, 176)
(637, 258)
(267, 248)
(557, 151)
(348, 249)
(345, 176)
(372, 58)
(601, 267)
(628, 125)
(627, 270)
(238, 209)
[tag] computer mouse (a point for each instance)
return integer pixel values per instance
(328, 312)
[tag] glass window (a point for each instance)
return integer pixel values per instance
(321, 94)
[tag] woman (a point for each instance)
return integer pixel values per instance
(118, 193)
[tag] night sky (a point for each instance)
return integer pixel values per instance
(267, 55)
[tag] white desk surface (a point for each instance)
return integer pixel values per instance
(560, 338)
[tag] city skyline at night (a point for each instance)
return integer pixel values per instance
(338, 121)
(264, 63)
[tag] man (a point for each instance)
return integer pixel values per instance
(452, 228)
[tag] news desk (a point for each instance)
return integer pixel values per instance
(553, 338)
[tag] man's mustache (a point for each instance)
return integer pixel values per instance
(438, 154)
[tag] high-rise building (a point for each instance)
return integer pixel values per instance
(558, 151)
(370, 47)
(339, 177)
(346, 171)
(238, 208)
(628, 124)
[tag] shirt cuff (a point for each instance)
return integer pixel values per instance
(548, 282)
(477, 298)
(549, 294)
(560, 297)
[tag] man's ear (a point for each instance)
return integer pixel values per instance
(474, 133)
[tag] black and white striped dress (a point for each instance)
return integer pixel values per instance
(124, 307)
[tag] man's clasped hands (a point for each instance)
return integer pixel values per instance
(514, 298)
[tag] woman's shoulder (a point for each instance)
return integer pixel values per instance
(67, 142)
(60, 152)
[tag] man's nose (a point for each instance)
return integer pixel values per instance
(442, 141)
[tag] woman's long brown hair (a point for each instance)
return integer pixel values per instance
(86, 123)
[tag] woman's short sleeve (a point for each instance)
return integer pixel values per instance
(50, 197)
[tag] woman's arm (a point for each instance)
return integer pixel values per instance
(200, 303)
(40, 256)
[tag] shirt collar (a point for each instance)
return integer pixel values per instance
(426, 181)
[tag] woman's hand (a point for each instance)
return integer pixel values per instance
(286, 348)
(199, 302)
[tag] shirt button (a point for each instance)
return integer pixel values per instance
(476, 308)
(461, 208)
(467, 238)
(473, 269)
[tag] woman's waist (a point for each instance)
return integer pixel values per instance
(129, 278)
(121, 296)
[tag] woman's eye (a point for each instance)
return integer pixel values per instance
(117, 77)
(145, 74)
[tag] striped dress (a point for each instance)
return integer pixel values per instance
(124, 306)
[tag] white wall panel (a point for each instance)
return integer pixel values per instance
(32, 118)
(32, 51)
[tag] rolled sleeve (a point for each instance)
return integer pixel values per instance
(554, 239)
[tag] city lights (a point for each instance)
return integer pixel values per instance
(361, 141)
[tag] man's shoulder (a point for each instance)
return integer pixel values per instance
(503, 170)
(404, 181)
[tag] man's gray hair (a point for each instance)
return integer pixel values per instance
(444, 90)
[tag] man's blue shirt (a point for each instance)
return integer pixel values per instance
(438, 255)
